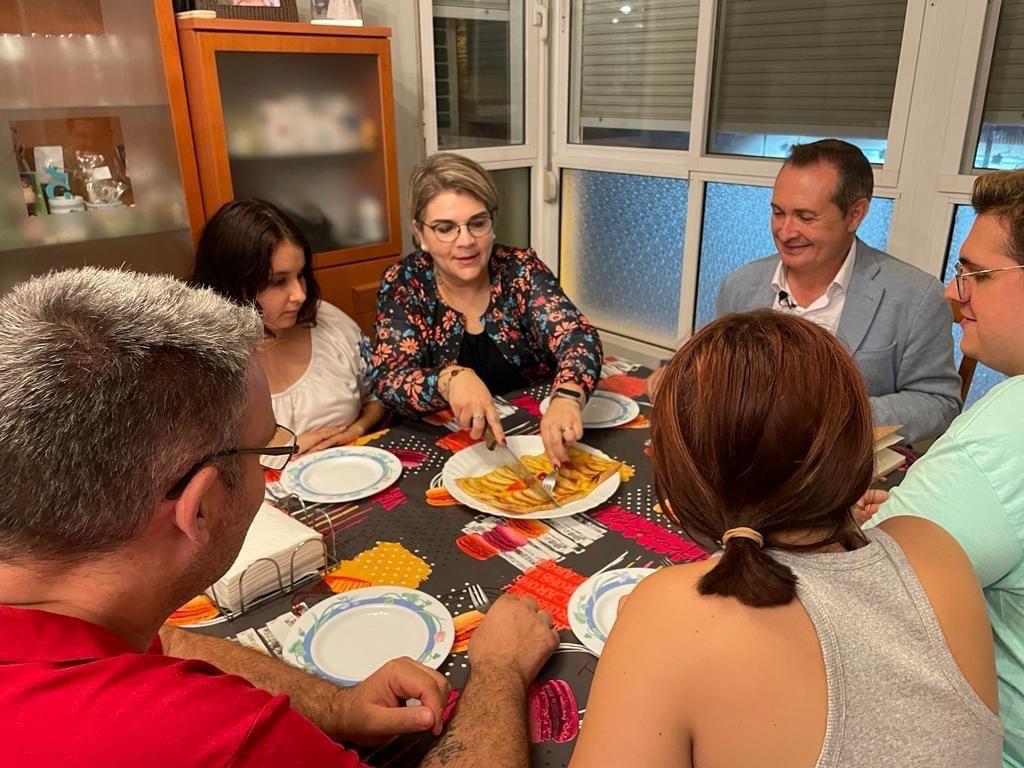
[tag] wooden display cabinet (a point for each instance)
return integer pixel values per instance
(301, 116)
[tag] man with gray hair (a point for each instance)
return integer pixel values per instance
(133, 422)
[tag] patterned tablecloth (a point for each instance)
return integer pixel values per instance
(408, 536)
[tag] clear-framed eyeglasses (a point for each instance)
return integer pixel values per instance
(959, 275)
(449, 231)
(274, 455)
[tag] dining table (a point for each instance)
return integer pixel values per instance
(415, 535)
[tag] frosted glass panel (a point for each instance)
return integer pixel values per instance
(622, 251)
(984, 377)
(512, 226)
(308, 140)
(737, 230)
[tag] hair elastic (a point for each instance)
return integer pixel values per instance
(743, 533)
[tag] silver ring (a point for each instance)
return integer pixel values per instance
(567, 429)
(478, 417)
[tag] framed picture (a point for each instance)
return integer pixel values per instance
(258, 10)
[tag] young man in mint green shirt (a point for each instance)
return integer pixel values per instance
(971, 481)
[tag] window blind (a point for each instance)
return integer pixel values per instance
(1004, 99)
(818, 67)
(637, 67)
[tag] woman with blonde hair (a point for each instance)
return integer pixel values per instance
(807, 642)
(462, 318)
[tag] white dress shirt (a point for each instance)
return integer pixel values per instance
(824, 310)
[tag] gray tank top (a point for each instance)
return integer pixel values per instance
(896, 697)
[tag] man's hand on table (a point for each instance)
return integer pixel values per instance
(369, 713)
(514, 638)
(374, 710)
(506, 652)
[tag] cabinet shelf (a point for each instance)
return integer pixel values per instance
(293, 156)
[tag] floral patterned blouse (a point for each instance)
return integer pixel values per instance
(531, 321)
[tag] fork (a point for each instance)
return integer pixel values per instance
(612, 564)
(479, 598)
(519, 428)
(549, 481)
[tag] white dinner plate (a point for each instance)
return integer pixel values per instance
(604, 410)
(346, 473)
(594, 605)
(348, 637)
(477, 460)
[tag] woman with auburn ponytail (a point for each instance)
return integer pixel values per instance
(805, 642)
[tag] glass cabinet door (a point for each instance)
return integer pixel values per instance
(308, 128)
(89, 169)
(308, 139)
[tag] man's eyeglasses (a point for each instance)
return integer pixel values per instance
(274, 455)
(449, 231)
(959, 275)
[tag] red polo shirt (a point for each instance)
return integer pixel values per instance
(73, 693)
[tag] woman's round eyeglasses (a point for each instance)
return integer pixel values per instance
(449, 231)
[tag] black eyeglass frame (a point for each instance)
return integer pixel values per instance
(282, 450)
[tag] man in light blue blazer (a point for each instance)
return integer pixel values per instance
(890, 315)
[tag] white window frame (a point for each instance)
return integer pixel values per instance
(529, 153)
(696, 165)
(937, 101)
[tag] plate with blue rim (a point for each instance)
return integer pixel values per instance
(604, 410)
(348, 637)
(346, 473)
(594, 605)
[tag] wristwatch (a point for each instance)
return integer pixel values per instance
(570, 394)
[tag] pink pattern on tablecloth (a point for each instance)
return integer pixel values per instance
(554, 713)
(654, 537)
(528, 403)
(476, 546)
(410, 459)
(389, 498)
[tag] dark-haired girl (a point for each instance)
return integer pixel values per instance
(807, 642)
(251, 252)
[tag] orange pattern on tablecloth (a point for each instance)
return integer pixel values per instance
(531, 529)
(623, 384)
(465, 625)
(345, 583)
(370, 437)
(551, 585)
(439, 497)
(200, 608)
(387, 564)
(456, 441)
(640, 422)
